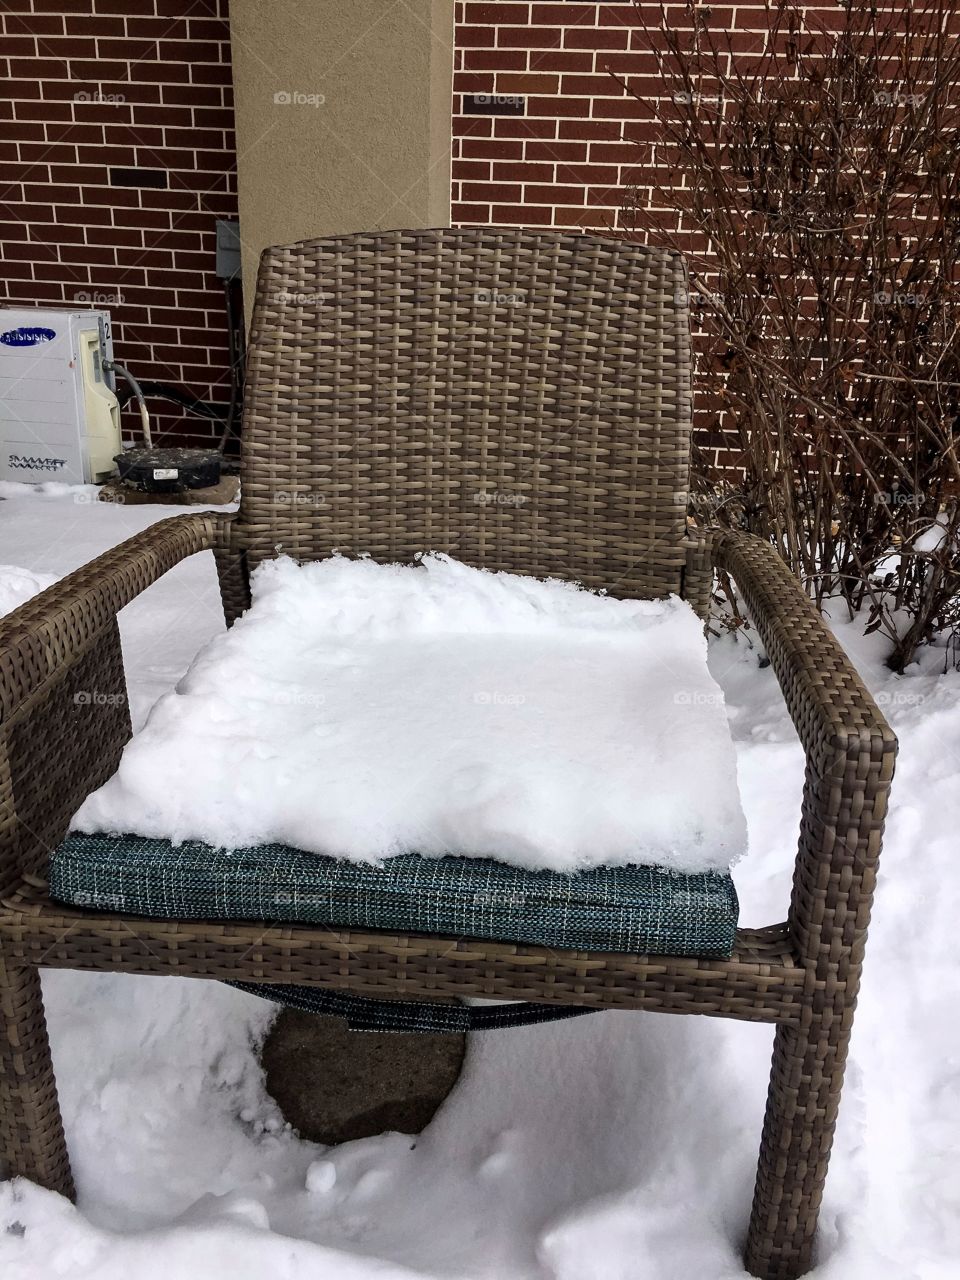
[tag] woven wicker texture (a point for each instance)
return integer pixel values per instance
(519, 399)
(634, 909)
(408, 403)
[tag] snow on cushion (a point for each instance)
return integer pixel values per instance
(640, 910)
(361, 711)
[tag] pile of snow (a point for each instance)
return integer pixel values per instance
(361, 710)
(18, 585)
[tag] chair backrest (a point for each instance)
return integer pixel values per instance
(519, 399)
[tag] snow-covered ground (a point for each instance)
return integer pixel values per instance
(615, 1147)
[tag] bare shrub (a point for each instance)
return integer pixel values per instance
(822, 180)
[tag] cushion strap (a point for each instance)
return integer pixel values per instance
(363, 1013)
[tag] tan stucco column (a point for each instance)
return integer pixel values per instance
(343, 117)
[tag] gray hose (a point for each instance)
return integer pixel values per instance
(112, 366)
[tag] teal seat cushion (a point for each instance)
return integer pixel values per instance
(635, 909)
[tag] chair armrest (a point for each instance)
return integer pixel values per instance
(831, 708)
(850, 752)
(44, 634)
(64, 718)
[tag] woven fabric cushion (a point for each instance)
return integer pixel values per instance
(635, 909)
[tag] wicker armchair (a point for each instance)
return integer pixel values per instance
(399, 384)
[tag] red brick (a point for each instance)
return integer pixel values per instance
(560, 60)
(601, 85)
(504, 191)
(591, 219)
(213, 118)
(560, 151)
(28, 251)
(636, 62)
(493, 60)
(568, 13)
(115, 237)
(527, 82)
(625, 108)
(17, 46)
(610, 194)
(48, 152)
(91, 24)
(469, 213)
(28, 130)
(46, 24)
(559, 107)
(475, 170)
(528, 37)
(587, 174)
(133, 135)
(164, 72)
(614, 152)
(524, 171)
(551, 193)
(129, 50)
(101, 154)
(474, 82)
(596, 38)
(17, 90)
(69, 271)
(209, 73)
(594, 130)
(18, 270)
(472, 126)
(193, 51)
(57, 234)
(493, 148)
(518, 127)
(520, 215)
(93, 71)
(477, 37)
(163, 115)
(499, 13)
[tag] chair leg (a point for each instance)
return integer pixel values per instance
(234, 583)
(802, 1102)
(32, 1144)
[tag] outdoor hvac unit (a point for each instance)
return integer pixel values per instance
(59, 417)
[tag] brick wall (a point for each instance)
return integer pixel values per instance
(96, 84)
(562, 164)
(583, 140)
